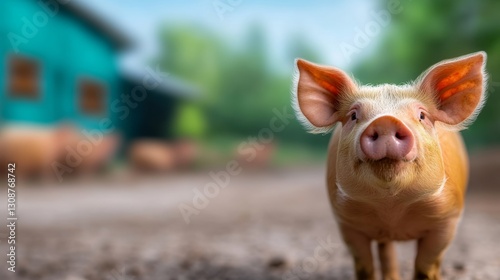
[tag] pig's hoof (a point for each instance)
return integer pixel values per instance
(363, 274)
(427, 276)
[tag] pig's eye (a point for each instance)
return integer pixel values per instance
(353, 116)
(422, 116)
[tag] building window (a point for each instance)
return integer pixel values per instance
(24, 77)
(92, 97)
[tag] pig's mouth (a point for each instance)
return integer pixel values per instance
(388, 169)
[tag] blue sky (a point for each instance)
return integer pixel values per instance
(326, 24)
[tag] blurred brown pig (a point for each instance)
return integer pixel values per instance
(151, 155)
(34, 149)
(101, 154)
(148, 155)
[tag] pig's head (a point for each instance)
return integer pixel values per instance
(388, 134)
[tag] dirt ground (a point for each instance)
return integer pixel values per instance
(263, 225)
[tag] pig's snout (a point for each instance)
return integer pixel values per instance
(388, 137)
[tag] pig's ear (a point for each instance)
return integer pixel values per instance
(317, 90)
(458, 87)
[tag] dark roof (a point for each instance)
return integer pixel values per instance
(119, 39)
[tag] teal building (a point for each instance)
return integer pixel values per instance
(60, 64)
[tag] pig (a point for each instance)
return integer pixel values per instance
(149, 155)
(33, 149)
(260, 159)
(102, 153)
(186, 153)
(397, 168)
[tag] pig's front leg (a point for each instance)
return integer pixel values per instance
(430, 250)
(388, 260)
(359, 246)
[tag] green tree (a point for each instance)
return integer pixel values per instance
(240, 86)
(426, 32)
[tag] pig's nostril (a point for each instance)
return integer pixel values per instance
(387, 137)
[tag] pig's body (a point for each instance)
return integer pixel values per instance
(404, 216)
(101, 155)
(33, 149)
(397, 166)
(152, 156)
